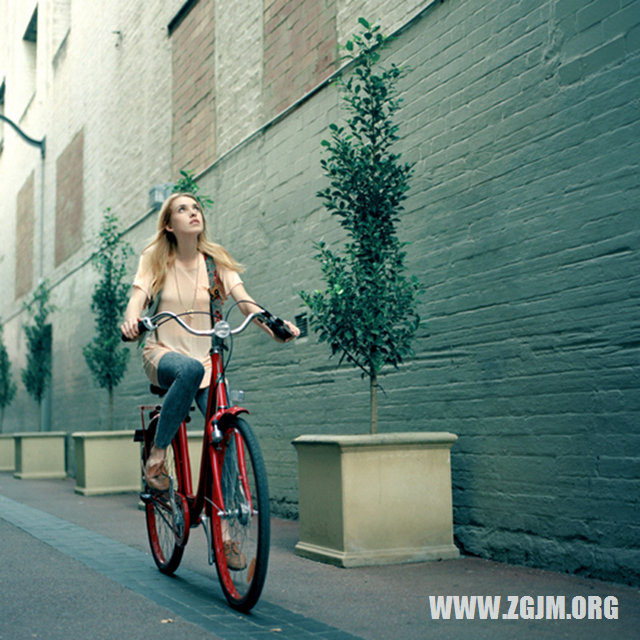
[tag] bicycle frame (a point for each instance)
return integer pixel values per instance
(218, 409)
(210, 464)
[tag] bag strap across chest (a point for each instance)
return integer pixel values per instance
(215, 299)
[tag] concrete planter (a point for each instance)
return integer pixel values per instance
(7, 452)
(106, 462)
(194, 438)
(40, 455)
(375, 499)
(109, 461)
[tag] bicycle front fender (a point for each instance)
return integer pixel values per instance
(220, 415)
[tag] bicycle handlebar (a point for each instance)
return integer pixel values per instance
(222, 329)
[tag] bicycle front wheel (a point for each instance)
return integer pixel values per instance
(242, 528)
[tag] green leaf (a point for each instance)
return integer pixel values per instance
(187, 184)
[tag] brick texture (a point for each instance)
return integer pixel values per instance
(193, 68)
(523, 221)
(523, 227)
(299, 49)
(389, 13)
(238, 72)
(69, 199)
(25, 218)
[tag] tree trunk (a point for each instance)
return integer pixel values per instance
(110, 409)
(373, 379)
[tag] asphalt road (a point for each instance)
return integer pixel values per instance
(79, 567)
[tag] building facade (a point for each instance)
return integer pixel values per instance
(522, 222)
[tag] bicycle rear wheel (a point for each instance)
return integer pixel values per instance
(167, 517)
(242, 529)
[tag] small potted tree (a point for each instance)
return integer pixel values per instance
(36, 375)
(41, 454)
(7, 394)
(380, 497)
(105, 355)
(107, 461)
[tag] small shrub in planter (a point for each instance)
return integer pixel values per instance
(7, 384)
(105, 355)
(37, 373)
(367, 312)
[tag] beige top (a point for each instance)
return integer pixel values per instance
(184, 290)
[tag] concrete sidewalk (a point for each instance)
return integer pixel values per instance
(77, 566)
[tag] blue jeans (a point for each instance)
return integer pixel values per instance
(182, 376)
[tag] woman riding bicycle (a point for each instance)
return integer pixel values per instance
(173, 272)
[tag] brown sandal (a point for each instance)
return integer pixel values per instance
(156, 477)
(236, 560)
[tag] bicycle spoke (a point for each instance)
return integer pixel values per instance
(241, 532)
(167, 522)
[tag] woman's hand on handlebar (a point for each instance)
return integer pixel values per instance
(248, 305)
(293, 330)
(129, 329)
(137, 302)
(280, 330)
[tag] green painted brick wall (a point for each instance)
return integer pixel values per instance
(523, 122)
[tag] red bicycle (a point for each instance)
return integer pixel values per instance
(232, 497)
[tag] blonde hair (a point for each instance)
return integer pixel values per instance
(159, 255)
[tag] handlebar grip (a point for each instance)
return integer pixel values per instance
(141, 329)
(279, 328)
